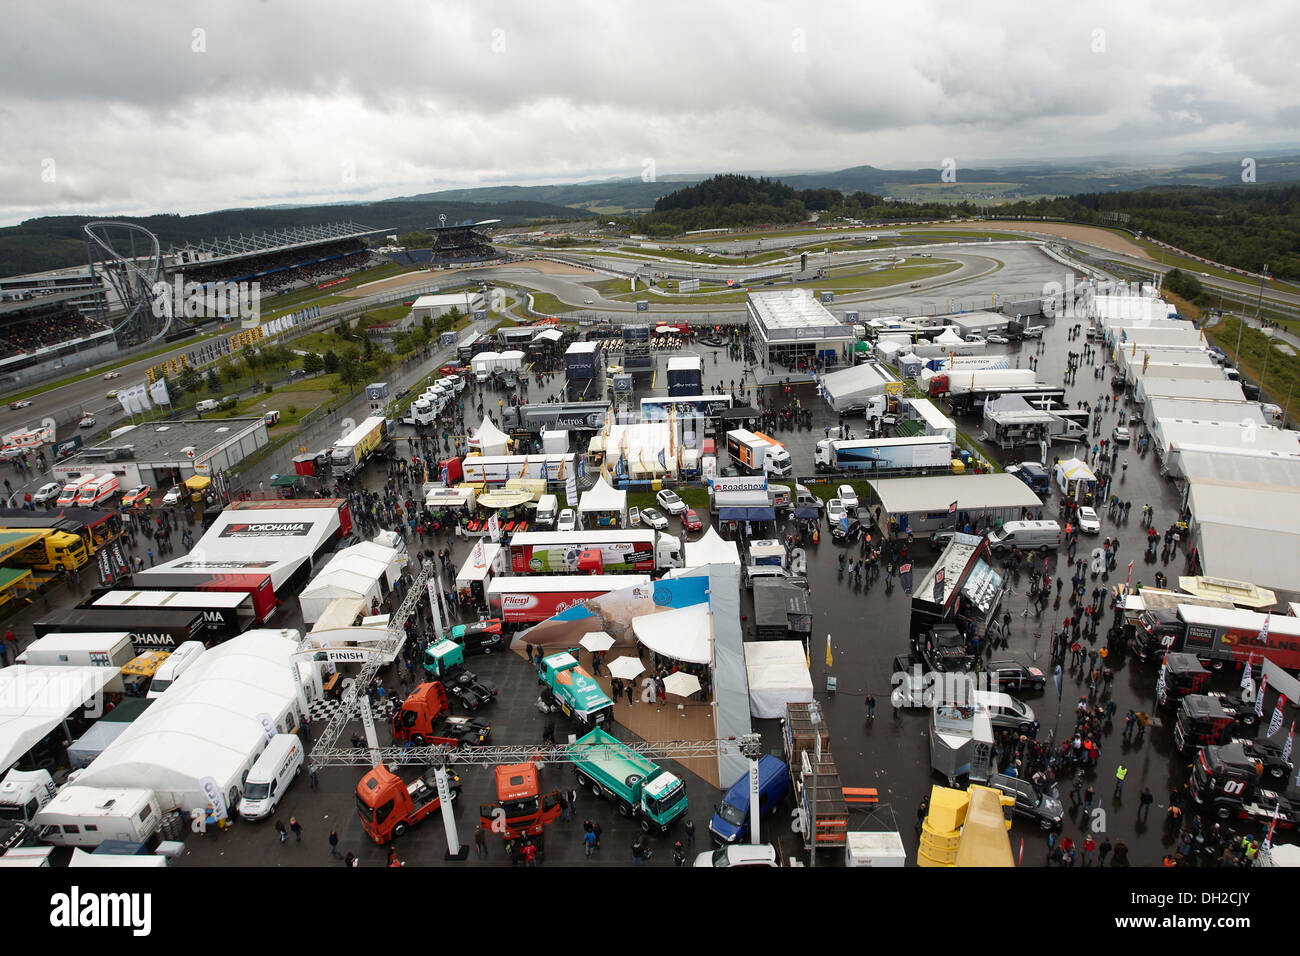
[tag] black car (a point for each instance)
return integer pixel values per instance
(1031, 803)
(945, 649)
(1013, 675)
(481, 637)
(1118, 382)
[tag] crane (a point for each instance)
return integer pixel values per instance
(327, 753)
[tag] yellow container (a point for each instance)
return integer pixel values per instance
(958, 468)
(657, 484)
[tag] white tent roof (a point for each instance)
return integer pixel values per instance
(488, 439)
(35, 699)
(549, 335)
(778, 675)
(1076, 468)
(853, 384)
(602, 497)
(711, 548)
(948, 337)
(512, 355)
(206, 725)
(338, 583)
(389, 558)
(684, 634)
(340, 612)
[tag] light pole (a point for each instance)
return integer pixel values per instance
(1259, 302)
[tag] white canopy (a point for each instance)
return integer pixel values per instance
(550, 335)
(602, 497)
(1074, 469)
(391, 558)
(35, 699)
(711, 548)
(208, 724)
(948, 337)
(684, 634)
(488, 440)
(350, 574)
(778, 675)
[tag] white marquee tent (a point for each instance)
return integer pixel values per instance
(778, 675)
(601, 498)
(711, 548)
(34, 700)
(683, 634)
(488, 440)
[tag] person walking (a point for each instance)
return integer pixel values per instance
(296, 827)
(284, 834)
(334, 845)
(1144, 804)
(480, 841)
(679, 855)
(1103, 850)
(638, 853)
(589, 842)
(1120, 773)
(871, 706)
(1088, 796)
(1121, 854)
(571, 795)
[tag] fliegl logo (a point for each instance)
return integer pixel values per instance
(78, 910)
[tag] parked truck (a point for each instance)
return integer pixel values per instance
(424, 718)
(388, 807)
(72, 649)
(521, 808)
(819, 790)
(756, 454)
(530, 599)
(1218, 635)
(1231, 784)
(593, 552)
(48, 551)
(446, 661)
(571, 416)
(573, 690)
(638, 787)
(879, 454)
(1206, 719)
(88, 816)
(352, 451)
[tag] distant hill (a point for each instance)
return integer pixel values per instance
(613, 196)
(53, 242)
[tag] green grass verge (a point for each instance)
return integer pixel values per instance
(547, 304)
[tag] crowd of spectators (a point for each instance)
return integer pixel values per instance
(29, 333)
(280, 271)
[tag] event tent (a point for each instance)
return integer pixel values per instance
(683, 634)
(603, 499)
(854, 385)
(1071, 471)
(711, 548)
(488, 440)
(35, 699)
(778, 675)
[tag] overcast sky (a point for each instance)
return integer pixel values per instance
(135, 108)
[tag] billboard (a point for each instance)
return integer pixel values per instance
(615, 556)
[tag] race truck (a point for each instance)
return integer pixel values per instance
(1232, 784)
(573, 690)
(480, 637)
(1207, 719)
(521, 807)
(1183, 675)
(446, 660)
(425, 718)
(1219, 635)
(639, 788)
(388, 807)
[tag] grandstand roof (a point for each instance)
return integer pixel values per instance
(11, 308)
(256, 244)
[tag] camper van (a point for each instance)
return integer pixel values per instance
(180, 661)
(97, 492)
(1027, 535)
(87, 816)
(270, 776)
(547, 511)
(207, 405)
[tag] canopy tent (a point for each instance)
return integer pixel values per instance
(201, 482)
(601, 499)
(1071, 472)
(504, 499)
(549, 335)
(35, 699)
(341, 612)
(346, 576)
(393, 559)
(853, 385)
(449, 497)
(948, 336)
(488, 440)
(744, 506)
(778, 675)
(683, 634)
(209, 727)
(1010, 421)
(711, 548)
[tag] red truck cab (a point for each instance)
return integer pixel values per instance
(520, 808)
(591, 561)
(424, 718)
(388, 807)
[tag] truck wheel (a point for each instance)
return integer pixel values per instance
(624, 809)
(645, 825)
(418, 740)
(1223, 811)
(399, 829)
(595, 789)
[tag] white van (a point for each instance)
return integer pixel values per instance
(547, 510)
(270, 776)
(98, 491)
(180, 661)
(207, 405)
(1027, 535)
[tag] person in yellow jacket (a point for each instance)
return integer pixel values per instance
(1120, 773)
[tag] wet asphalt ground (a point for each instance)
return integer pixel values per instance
(868, 627)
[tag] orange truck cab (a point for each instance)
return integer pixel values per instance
(425, 718)
(520, 808)
(388, 807)
(591, 561)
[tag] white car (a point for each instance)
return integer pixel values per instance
(567, 521)
(1033, 332)
(669, 501)
(173, 497)
(848, 496)
(1089, 523)
(835, 510)
(109, 376)
(1121, 435)
(87, 422)
(974, 339)
(653, 519)
(21, 403)
(996, 338)
(46, 493)
(739, 854)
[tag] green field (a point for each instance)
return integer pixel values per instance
(544, 303)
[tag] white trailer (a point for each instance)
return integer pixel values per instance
(87, 816)
(107, 649)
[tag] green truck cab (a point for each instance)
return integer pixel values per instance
(639, 788)
(573, 690)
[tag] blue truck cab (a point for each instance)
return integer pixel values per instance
(730, 822)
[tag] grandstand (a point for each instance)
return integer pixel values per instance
(462, 243)
(46, 329)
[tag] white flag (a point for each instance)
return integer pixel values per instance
(126, 404)
(1247, 677)
(1290, 737)
(494, 527)
(1160, 681)
(1263, 631)
(479, 560)
(1275, 724)
(1259, 698)
(137, 395)
(158, 392)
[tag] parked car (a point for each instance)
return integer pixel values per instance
(653, 519)
(1007, 713)
(21, 403)
(567, 522)
(847, 496)
(47, 492)
(1033, 332)
(87, 422)
(739, 854)
(1014, 675)
(835, 510)
(974, 339)
(997, 338)
(135, 498)
(1031, 803)
(691, 521)
(174, 496)
(669, 501)
(1089, 523)
(1121, 435)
